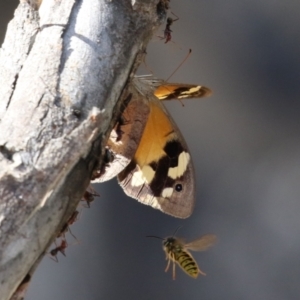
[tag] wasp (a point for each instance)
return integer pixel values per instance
(177, 251)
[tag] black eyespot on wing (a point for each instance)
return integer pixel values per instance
(178, 187)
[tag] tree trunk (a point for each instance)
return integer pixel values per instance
(62, 69)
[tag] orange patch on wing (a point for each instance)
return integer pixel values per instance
(157, 133)
(164, 90)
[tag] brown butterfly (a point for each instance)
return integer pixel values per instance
(149, 153)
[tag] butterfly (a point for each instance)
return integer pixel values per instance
(147, 151)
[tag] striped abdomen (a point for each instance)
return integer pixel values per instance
(186, 262)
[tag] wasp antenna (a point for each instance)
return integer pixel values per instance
(188, 55)
(154, 236)
(176, 230)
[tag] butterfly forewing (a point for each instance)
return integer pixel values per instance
(169, 91)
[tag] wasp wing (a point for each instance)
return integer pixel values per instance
(202, 243)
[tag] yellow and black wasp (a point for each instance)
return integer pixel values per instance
(177, 251)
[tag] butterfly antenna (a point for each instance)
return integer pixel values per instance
(188, 55)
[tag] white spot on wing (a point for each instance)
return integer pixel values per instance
(152, 201)
(163, 97)
(190, 92)
(167, 192)
(183, 161)
(194, 89)
(144, 175)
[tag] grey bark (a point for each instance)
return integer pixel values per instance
(62, 70)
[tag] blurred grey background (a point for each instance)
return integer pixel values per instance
(245, 143)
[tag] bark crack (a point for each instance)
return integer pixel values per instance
(8, 154)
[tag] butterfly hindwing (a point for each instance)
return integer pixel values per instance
(161, 172)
